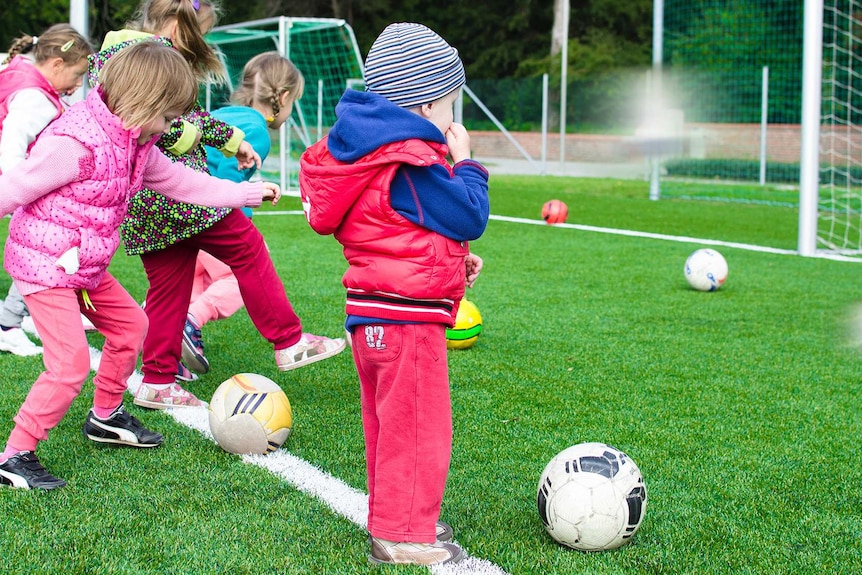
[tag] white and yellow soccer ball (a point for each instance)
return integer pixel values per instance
(706, 270)
(591, 497)
(250, 414)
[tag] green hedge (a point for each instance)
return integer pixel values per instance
(749, 170)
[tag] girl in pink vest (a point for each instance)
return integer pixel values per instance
(40, 70)
(69, 198)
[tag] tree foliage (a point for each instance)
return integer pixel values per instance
(496, 38)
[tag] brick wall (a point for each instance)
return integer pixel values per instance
(711, 141)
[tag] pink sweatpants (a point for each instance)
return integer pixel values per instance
(407, 420)
(215, 292)
(57, 315)
(235, 241)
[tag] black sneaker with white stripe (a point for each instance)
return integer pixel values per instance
(121, 428)
(24, 471)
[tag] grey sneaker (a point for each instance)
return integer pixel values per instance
(444, 531)
(393, 552)
(121, 428)
(24, 471)
(308, 349)
(193, 347)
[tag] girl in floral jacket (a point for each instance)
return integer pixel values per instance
(168, 234)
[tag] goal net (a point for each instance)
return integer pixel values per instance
(324, 50)
(743, 73)
(733, 68)
(840, 192)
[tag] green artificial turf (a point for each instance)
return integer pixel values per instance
(741, 408)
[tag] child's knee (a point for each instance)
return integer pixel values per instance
(77, 365)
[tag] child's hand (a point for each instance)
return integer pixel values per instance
(246, 157)
(271, 192)
(474, 266)
(458, 141)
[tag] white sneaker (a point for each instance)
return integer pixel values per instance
(29, 326)
(15, 341)
(308, 349)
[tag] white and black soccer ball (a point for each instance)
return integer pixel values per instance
(249, 413)
(592, 497)
(706, 270)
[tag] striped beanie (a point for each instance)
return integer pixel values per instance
(410, 65)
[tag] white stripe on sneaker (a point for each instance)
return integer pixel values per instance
(123, 435)
(15, 480)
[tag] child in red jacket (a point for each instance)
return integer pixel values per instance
(381, 183)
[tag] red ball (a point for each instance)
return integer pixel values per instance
(555, 212)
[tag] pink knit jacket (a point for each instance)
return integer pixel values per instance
(71, 195)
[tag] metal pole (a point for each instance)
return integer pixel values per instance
(319, 108)
(283, 130)
(655, 89)
(564, 80)
(764, 112)
(79, 18)
(809, 173)
(543, 164)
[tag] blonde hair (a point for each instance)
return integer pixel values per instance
(265, 78)
(146, 80)
(154, 15)
(58, 41)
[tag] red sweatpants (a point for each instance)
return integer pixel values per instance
(407, 420)
(57, 315)
(235, 241)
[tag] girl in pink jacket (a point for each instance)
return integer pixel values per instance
(40, 71)
(69, 198)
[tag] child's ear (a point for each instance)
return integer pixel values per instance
(425, 109)
(284, 99)
(57, 64)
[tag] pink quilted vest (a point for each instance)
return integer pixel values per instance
(20, 74)
(85, 214)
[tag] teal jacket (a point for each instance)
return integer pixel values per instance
(253, 124)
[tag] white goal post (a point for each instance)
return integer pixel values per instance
(830, 186)
(809, 176)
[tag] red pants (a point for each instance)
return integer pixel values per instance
(235, 241)
(407, 421)
(57, 315)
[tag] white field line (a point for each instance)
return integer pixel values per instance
(632, 233)
(337, 495)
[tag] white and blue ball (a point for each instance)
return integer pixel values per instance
(706, 270)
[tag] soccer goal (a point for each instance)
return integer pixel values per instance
(831, 180)
(771, 98)
(324, 50)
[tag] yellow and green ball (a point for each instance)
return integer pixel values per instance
(468, 326)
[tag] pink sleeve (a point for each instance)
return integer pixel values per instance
(54, 161)
(184, 184)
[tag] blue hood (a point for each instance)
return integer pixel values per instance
(367, 121)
